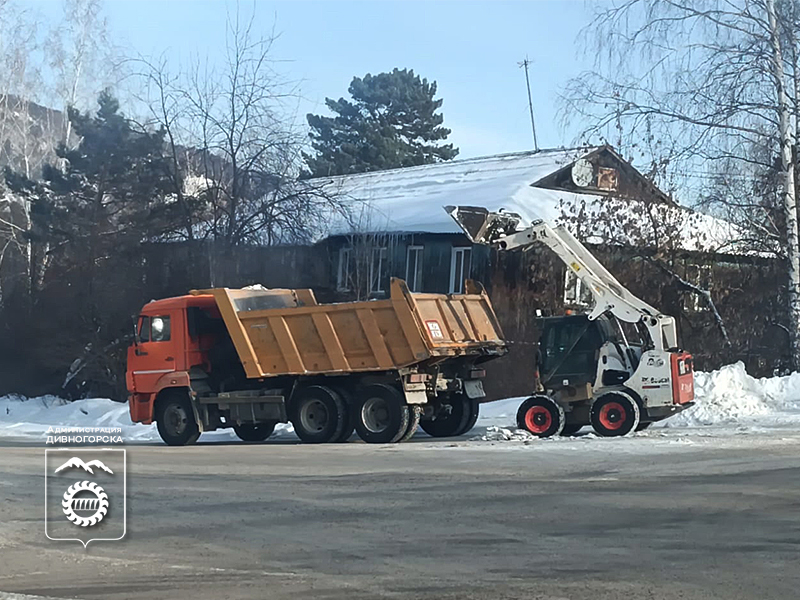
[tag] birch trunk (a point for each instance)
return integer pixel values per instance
(789, 192)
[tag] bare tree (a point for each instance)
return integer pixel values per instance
(706, 86)
(234, 143)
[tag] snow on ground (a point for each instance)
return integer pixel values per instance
(729, 401)
(31, 417)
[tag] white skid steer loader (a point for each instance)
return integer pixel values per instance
(617, 368)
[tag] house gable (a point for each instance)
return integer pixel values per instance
(603, 172)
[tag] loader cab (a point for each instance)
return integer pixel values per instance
(570, 347)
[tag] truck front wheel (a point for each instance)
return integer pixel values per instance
(319, 415)
(381, 415)
(175, 419)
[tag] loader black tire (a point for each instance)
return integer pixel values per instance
(541, 416)
(381, 414)
(452, 422)
(175, 418)
(614, 415)
(254, 432)
(643, 425)
(571, 429)
(319, 415)
(414, 416)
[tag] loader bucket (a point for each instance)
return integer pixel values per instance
(482, 226)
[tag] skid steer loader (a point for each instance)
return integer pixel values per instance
(617, 368)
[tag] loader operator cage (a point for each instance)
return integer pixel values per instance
(568, 346)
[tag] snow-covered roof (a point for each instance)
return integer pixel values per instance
(411, 199)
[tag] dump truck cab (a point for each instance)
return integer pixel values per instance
(172, 336)
(251, 358)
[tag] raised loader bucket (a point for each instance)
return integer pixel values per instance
(482, 226)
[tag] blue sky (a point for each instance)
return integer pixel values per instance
(470, 48)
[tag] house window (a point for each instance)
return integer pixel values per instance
(699, 275)
(414, 268)
(343, 273)
(576, 292)
(377, 270)
(460, 263)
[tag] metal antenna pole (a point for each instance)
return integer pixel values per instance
(525, 64)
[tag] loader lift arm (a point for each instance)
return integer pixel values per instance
(610, 296)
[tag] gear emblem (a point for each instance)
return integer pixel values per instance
(85, 503)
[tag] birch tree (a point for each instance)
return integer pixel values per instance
(707, 87)
(81, 56)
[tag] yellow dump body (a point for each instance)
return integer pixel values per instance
(285, 332)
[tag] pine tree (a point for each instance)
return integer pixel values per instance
(391, 122)
(90, 215)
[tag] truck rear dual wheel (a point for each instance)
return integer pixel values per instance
(254, 432)
(541, 416)
(175, 418)
(460, 418)
(414, 416)
(614, 415)
(319, 415)
(349, 426)
(381, 415)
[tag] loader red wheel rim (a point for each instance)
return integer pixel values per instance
(613, 416)
(538, 419)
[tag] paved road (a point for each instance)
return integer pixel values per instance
(605, 519)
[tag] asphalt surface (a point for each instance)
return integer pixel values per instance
(606, 519)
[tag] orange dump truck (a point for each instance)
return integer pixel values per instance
(249, 359)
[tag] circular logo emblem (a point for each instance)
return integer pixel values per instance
(85, 503)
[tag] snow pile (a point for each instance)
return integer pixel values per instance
(727, 398)
(730, 396)
(502, 434)
(31, 417)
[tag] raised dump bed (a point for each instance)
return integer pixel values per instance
(285, 332)
(250, 358)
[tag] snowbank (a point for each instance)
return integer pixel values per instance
(730, 396)
(31, 417)
(727, 398)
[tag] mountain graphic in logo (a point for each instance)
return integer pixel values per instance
(77, 463)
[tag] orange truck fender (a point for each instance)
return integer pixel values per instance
(141, 405)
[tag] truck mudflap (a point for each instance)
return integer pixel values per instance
(682, 378)
(473, 388)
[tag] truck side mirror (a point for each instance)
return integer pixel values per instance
(136, 339)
